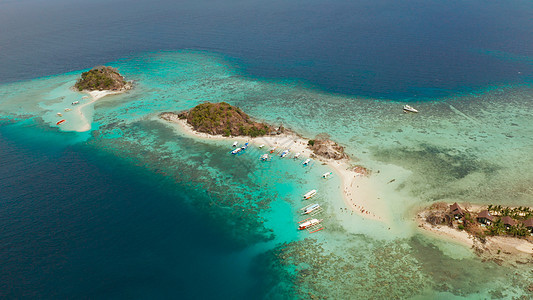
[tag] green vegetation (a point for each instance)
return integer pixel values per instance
(101, 78)
(222, 118)
(517, 213)
(311, 143)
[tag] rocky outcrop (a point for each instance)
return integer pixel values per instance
(327, 149)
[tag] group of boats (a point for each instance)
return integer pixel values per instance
(239, 149)
(66, 110)
(310, 224)
(266, 157)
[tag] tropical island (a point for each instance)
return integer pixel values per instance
(98, 82)
(490, 230)
(102, 78)
(222, 121)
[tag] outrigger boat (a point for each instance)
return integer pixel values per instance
(408, 108)
(60, 122)
(284, 153)
(326, 175)
(235, 144)
(240, 149)
(308, 223)
(310, 208)
(75, 102)
(297, 155)
(310, 194)
(265, 157)
(306, 162)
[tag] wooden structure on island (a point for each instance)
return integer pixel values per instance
(456, 211)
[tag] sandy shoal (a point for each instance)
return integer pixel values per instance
(84, 121)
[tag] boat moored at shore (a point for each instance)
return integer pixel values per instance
(308, 223)
(311, 209)
(306, 162)
(309, 194)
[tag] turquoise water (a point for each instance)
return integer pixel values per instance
(472, 147)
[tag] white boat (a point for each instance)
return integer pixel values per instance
(59, 114)
(310, 208)
(407, 108)
(236, 151)
(245, 146)
(306, 162)
(261, 146)
(327, 174)
(284, 153)
(265, 157)
(297, 155)
(235, 144)
(310, 194)
(308, 223)
(68, 109)
(75, 102)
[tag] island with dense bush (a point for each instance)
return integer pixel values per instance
(102, 78)
(222, 119)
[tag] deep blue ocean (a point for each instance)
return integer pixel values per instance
(76, 222)
(378, 48)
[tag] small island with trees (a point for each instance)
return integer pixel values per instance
(102, 78)
(223, 119)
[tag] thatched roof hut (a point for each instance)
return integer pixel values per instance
(456, 210)
(508, 221)
(529, 223)
(485, 216)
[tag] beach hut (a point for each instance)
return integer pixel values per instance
(529, 224)
(456, 211)
(485, 217)
(508, 221)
